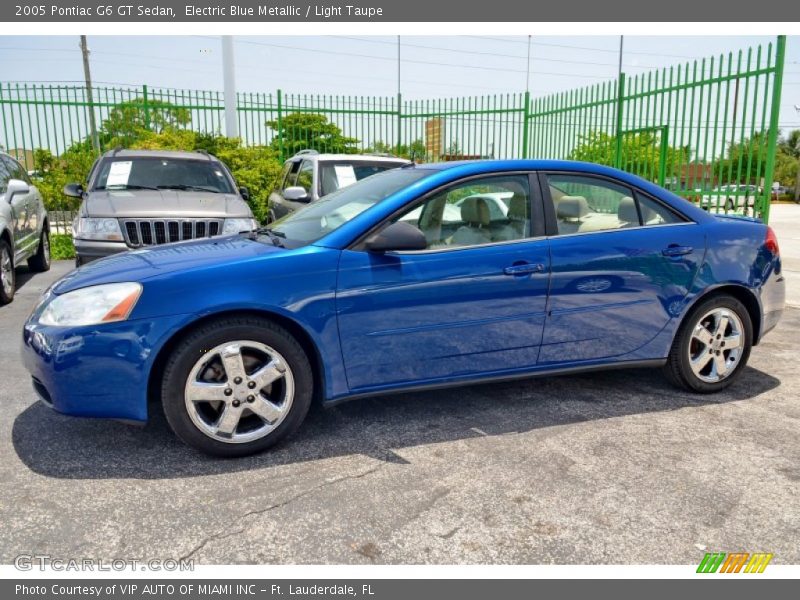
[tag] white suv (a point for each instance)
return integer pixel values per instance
(308, 176)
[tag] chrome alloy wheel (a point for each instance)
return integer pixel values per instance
(6, 272)
(239, 391)
(716, 345)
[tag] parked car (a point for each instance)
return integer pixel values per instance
(24, 228)
(731, 197)
(309, 175)
(351, 298)
(141, 198)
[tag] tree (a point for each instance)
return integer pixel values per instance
(301, 131)
(641, 150)
(415, 149)
(129, 121)
(789, 167)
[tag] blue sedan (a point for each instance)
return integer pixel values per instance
(417, 278)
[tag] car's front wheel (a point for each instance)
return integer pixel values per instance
(712, 345)
(236, 386)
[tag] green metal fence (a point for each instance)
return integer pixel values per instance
(706, 129)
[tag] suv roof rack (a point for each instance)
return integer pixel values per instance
(115, 150)
(306, 151)
(204, 153)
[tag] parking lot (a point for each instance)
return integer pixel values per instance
(610, 467)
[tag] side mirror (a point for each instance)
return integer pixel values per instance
(16, 186)
(244, 193)
(397, 236)
(75, 190)
(296, 193)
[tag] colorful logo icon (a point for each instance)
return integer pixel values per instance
(736, 562)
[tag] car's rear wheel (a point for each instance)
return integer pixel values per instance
(7, 276)
(236, 386)
(40, 261)
(712, 346)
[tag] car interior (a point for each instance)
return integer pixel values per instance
(476, 213)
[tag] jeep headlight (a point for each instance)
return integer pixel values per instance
(233, 226)
(92, 305)
(86, 228)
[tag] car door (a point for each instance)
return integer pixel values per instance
(20, 210)
(278, 204)
(471, 304)
(622, 263)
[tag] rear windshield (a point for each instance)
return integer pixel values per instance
(162, 173)
(339, 174)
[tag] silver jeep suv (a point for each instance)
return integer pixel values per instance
(137, 198)
(309, 175)
(24, 228)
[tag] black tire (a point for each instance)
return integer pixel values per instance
(40, 262)
(729, 205)
(7, 295)
(678, 368)
(78, 261)
(198, 342)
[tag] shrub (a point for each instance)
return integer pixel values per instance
(61, 247)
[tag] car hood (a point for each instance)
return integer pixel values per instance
(164, 203)
(140, 265)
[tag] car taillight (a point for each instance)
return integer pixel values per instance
(771, 242)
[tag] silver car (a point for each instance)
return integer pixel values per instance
(309, 175)
(24, 228)
(138, 198)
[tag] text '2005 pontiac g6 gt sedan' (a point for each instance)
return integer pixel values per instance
(419, 277)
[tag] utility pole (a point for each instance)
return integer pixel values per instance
(621, 44)
(528, 68)
(89, 95)
(229, 82)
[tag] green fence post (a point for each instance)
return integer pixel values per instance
(145, 107)
(620, 106)
(772, 142)
(399, 127)
(280, 126)
(525, 125)
(662, 159)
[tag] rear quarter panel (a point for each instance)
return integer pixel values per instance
(736, 256)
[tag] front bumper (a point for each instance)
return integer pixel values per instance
(96, 371)
(89, 250)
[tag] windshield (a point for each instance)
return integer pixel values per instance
(316, 220)
(163, 174)
(340, 174)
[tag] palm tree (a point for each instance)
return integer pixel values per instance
(791, 146)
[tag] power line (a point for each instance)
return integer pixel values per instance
(493, 54)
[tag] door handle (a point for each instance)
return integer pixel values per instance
(675, 250)
(524, 269)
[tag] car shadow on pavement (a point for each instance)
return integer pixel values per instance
(23, 276)
(54, 445)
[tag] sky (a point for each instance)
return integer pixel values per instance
(430, 66)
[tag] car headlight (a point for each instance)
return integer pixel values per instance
(98, 229)
(92, 305)
(232, 226)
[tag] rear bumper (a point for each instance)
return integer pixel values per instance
(89, 250)
(773, 300)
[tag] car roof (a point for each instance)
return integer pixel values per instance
(350, 157)
(170, 154)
